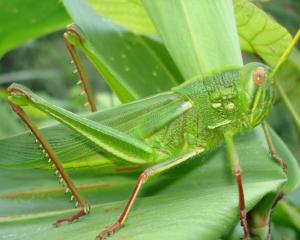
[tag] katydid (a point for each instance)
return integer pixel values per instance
(166, 129)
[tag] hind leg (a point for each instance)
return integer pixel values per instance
(59, 170)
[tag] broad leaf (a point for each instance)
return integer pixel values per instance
(21, 21)
(9, 122)
(134, 66)
(191, 38)
(130, 14)
(258, 32)
(289, 76)
(195, 200)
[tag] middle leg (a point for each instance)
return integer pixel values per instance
(272, 149)
(149, 172)
(237, 172)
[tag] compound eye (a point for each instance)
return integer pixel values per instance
(259, 76)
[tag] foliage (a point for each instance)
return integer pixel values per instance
(185, 189)
(20, 22)
(173, 206)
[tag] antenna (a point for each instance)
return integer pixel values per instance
(286, 53)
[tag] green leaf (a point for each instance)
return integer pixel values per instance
(21, 21)
(289, 77)
(189, 34)
(9, 122)
(128, 62)
(191, 205)
(129, 14)
(293, 172)
(287, 214)
(195, 200)
(259, 33)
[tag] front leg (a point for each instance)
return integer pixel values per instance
(149, 172)
(237, 172)
(73, 38)
(272, 149)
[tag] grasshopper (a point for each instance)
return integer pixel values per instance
(172, 127)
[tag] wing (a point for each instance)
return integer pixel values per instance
(138, 119)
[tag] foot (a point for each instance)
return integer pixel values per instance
(244, 224)
(108, 231)
(70, 219)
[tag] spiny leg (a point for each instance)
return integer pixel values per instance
(272, 150)
(60, 172)
(73, 34)
(237, 171)
(149, 172)
(112, 140)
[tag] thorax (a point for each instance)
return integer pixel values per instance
(215, 108)
(215, 99)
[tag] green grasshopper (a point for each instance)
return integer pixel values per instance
(166, 129)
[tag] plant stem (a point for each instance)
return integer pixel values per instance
(289, 106)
